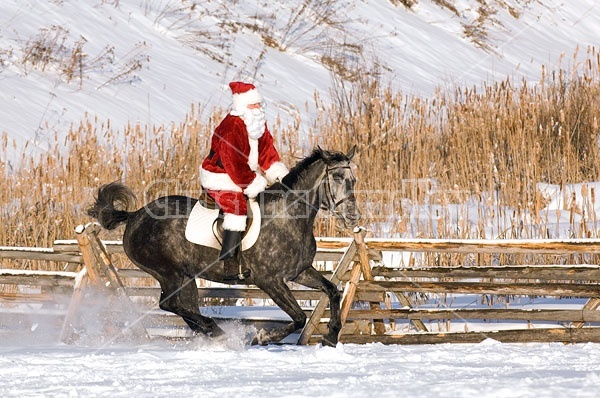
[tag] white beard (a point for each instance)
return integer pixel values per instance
(255, 122)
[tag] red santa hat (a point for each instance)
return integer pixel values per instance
(244, 94)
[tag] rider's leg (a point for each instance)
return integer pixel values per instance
(234, 207)
(231, 244)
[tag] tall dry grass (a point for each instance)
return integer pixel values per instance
(485, 147)
(46, 197)
(493, 142)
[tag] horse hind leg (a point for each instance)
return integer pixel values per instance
(280, 293)
(313, 279)
(180, 296)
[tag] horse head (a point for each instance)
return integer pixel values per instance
(336, 192)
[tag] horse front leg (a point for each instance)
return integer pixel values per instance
(180, 296)
(313, 279)
(281, 294)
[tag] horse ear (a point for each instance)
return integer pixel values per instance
(325, 155)
(351, 153)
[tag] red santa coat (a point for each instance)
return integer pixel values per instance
(236, 162)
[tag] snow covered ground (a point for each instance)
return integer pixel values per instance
(36, 365)
(230, 369)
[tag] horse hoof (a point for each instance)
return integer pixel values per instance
(327, 342)
(261, 338)
(217, 332)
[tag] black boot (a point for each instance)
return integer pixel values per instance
(231, 244)
(232, 241)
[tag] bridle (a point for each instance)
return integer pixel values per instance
(332, 204)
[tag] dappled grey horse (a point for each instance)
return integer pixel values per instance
(154, 240)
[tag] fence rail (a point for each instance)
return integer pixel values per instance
(508, 246)
(376, 298)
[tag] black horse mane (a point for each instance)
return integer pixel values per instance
(296, 172)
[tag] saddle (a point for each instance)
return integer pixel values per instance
(205, 223)
(207, 200)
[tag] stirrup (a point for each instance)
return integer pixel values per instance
(234, 266)
(237, 277)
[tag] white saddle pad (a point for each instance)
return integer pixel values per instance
(201, 227)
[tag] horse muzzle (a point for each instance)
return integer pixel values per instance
(351, 220)
(349, 217)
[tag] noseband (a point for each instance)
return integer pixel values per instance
(332, 204)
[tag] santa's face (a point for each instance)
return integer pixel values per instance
(254, 118)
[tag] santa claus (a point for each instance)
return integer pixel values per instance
(241, 163)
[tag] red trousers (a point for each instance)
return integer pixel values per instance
(230, 202)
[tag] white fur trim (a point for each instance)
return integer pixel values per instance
(277, 171)
(233, 222)
(256, 186)
(217, 181)
(253, 156)
(241, 101)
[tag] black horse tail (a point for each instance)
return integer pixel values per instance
(112, 202)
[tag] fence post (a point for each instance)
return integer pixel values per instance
(365, 267)
(86, 277)
(592, 304)
(81, 282)
(99, 273)
(315, 318)
(87, 254)
(349, 292)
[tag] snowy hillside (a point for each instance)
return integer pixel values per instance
(148, 61)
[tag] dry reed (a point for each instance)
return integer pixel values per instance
(483, 147)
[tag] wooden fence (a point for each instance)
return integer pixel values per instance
(554, 322)
(380, 303)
